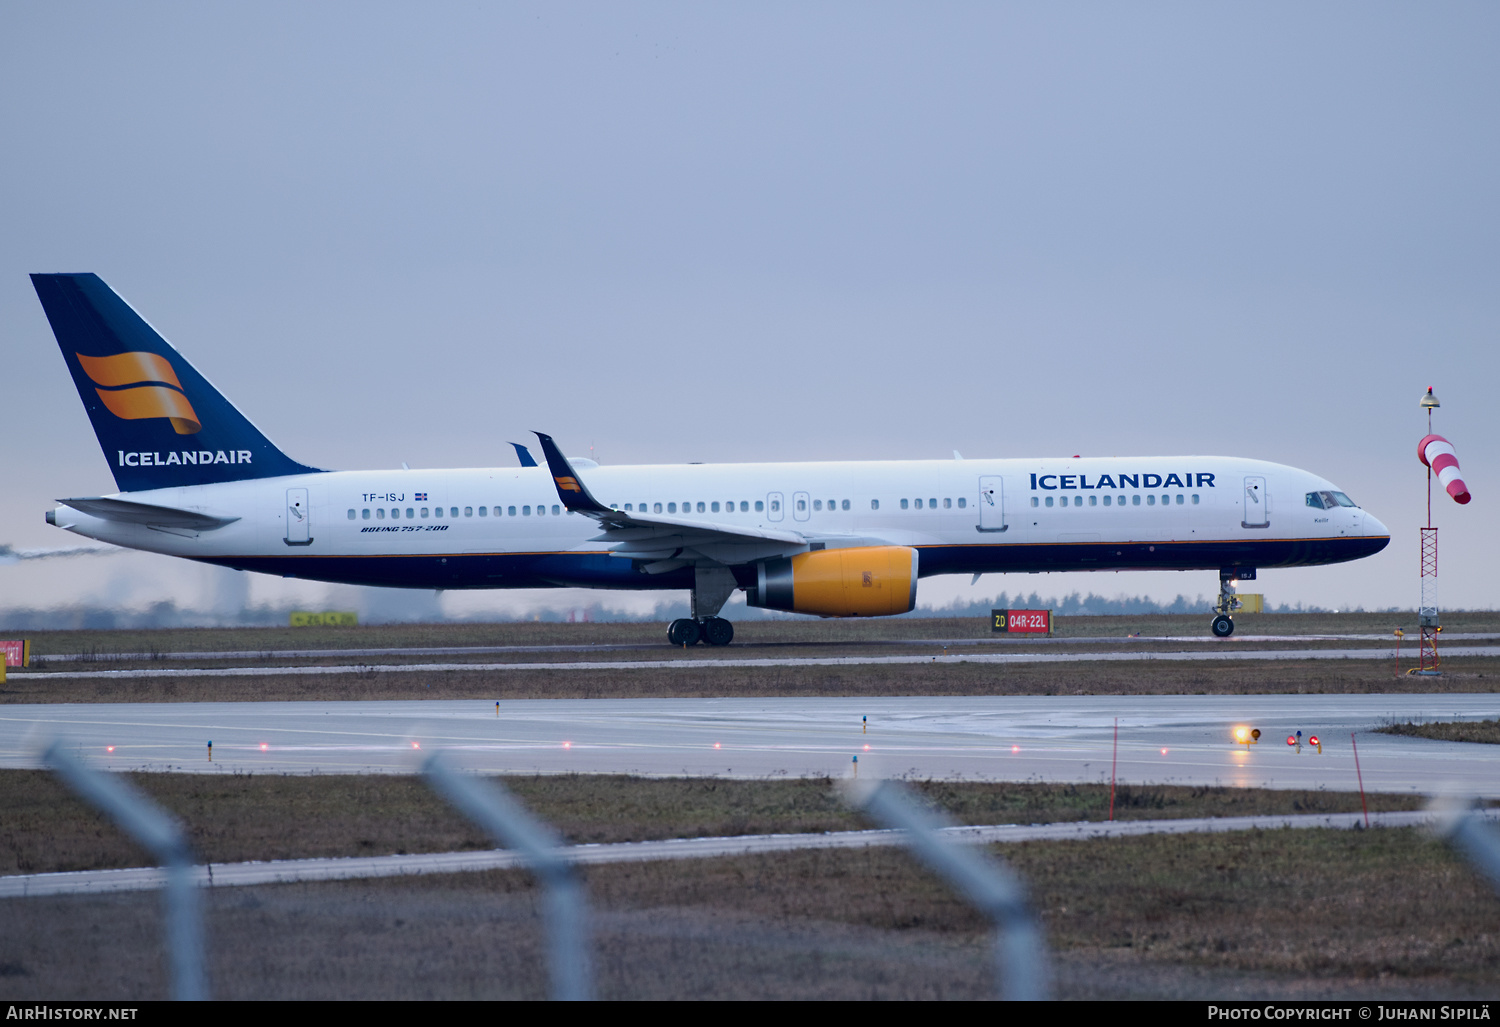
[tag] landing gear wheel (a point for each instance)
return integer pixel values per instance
(683, 631)
(718, 631)
(1223, 626)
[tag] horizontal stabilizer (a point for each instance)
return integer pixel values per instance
(148, 514)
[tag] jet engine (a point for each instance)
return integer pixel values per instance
(870, 581)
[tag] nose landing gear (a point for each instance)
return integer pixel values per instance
(1228, 602)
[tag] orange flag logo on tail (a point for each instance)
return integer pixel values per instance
(568, 484)
(140, 385)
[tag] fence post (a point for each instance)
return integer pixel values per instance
(159, 833)
(510, 824)
(1460, 826)
(1020, 954)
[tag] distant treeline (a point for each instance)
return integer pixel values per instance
(169, 615)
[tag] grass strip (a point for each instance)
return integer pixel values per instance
(235, 818)
(1260, 914)
(1486, 731)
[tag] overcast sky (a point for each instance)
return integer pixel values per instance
(769, 231)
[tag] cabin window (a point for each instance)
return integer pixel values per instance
(932, 504)
(424, 512)
(525, 511)
(395, 513)
(1195, 499)
(745, 506)
(1049, 500)
(468, 511)
(713, 507)
(874, 504)
(760, 506)
(365, 514)
(962, 502)
(844, 505)
(484, 511)
(1093, 500)
(656, 508)
(452, 511)
(380, 513)
(1033, 501)
(947, 504)
(817, 504)
(351, 515)
(556, 510)
(919, 504)
(802, 505)
(628, 508)
(1135, 500)
(671, 508)
(701, 507)
(511, 510)
(903, 504)
(1106, 500)
(1150, 500)
(1179, 499)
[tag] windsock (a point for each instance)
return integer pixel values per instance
(1437, 453)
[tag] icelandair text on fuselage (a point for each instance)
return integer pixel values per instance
(188, 456)
(1377, 1013)
(69, 1013)
(1121, 481)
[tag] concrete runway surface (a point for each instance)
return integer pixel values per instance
(1162, 739)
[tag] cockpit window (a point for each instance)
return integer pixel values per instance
(1324, 500)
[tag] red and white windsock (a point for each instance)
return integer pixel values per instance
(1437, 452)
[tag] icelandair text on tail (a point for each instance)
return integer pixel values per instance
(188, 456)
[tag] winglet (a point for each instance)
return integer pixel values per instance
(524, 455)
(574, 494)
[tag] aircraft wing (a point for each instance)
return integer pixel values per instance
(665, 542)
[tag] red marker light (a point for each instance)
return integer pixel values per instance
(109, 748)
(1164, 752)
(1015, 748)
(867, 748)
(1291, 739)
(264, 747)
(1313, 740)
(567, 745)
(716, 745)
(416, 745)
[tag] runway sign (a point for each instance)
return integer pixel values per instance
(1034, 622)
(330, 619)
(17, 652)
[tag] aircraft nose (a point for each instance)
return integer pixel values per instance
(1372, 526)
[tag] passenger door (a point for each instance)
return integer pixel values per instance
(991, 503)
(1257, 503)
(298, 518)
(801, 506)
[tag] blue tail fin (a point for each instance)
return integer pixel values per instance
(160, 422)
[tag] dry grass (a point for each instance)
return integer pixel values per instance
(43, 828)
(147, 643)
(1282, 914)
(1487, 731)
(1466, 674)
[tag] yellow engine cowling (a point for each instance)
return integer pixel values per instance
(870, 581)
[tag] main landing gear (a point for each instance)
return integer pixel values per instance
(712, 587)
(712, 630)
(1223, 625)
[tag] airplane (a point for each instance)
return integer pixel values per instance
(834, 539)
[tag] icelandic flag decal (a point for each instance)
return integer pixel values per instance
(421, 497)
